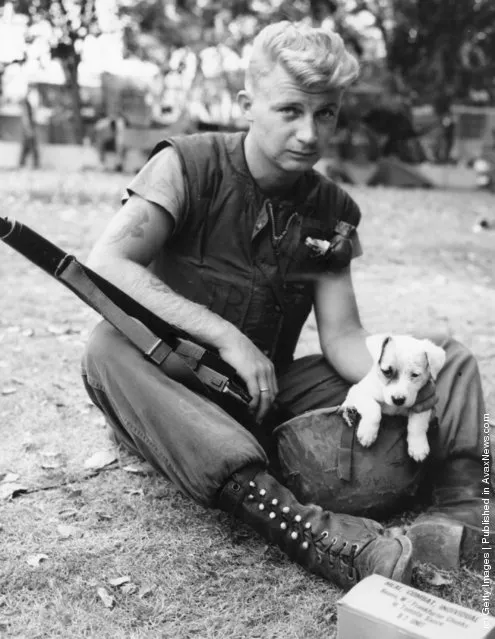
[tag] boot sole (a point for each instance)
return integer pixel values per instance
(403, 568)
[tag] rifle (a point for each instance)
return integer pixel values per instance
(172, 349)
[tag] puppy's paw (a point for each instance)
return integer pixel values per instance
(367, 433)
(351, 415)
(418, 448)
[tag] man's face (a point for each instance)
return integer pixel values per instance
(291, 126)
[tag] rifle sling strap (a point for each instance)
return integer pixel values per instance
(155, 349)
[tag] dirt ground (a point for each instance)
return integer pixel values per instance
(186, 572)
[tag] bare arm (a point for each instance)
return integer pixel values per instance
(122, 254)
(124, 251)
(342, 337)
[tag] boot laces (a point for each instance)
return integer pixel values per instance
(297, 529)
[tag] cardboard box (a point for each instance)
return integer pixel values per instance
(380, 608)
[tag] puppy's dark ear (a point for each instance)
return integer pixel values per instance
(435, 356)
(376, 345)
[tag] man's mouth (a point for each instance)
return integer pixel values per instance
(304, 154)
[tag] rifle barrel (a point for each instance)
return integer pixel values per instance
(34, 247)
(6, 226)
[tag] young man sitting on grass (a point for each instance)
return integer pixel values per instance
(212, 237)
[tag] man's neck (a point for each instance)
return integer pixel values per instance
(265, 174)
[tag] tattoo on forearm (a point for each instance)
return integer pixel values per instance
(157, 285)
(132, 227)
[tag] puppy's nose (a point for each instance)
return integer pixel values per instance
(398, 400)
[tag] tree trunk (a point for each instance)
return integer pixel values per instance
(70, 65)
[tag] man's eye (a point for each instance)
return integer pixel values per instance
(388, 372)
(289, 110)
(326, 114)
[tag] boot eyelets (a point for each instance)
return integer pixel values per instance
(252, 484)
(261, 506)
(305, 545)
(286, 510)
(297, 518)
(272, 515)
(283, 525)
(262, 492)
(274, 502)
(235, 486)
(294, 535)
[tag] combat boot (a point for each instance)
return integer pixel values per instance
(341, 548)
(455, 529)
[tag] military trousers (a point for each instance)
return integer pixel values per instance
(197, 445)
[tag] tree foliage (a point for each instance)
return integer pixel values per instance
(71, 22)
(152, 27)
(438, 46)
(431, 46)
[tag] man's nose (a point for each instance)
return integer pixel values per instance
(398, 399)
(306, 132)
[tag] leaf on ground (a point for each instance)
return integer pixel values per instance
(51, 460)
(8, 390)
(102, 516)
(65, 531)
(437, 579)
(142, 468)
(107, 599)
(129, 589)
(135, 491)
(101, 459)
(75, 493)
(51, 464)
(35, 560)
(8, 490)
(145, 591)
(119, 581)
(8, 478)
(67, 513)
(56, 329)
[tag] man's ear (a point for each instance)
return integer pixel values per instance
(376, 344)
(435, 356)
(245, 101)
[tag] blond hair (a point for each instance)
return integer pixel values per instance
(315, 57)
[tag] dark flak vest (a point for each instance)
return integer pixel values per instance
(222, 253)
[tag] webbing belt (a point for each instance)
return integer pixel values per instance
(181, 363)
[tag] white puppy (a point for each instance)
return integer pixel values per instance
(402, 365)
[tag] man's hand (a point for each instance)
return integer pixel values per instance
(426, 399)
(255, 369)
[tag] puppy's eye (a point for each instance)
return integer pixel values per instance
(388, 372)
(414, 375)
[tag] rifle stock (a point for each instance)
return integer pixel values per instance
(54, 261)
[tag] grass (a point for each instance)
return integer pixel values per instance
(191, 572)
